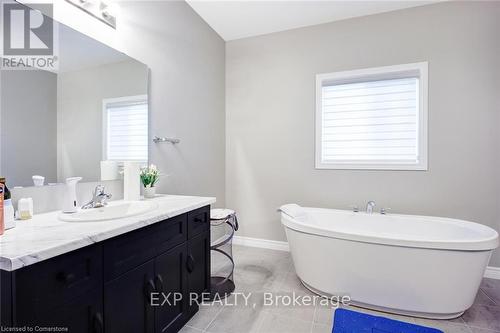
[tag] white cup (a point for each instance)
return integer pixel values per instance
(38, 180)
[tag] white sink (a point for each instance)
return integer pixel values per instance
(115, 210)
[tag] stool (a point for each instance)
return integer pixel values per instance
(224, 223)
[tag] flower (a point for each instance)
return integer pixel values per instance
(149, 176)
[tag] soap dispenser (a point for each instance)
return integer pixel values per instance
(69, 204)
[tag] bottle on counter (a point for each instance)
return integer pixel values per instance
(7, 207)
(24, 209)
(2, 225)
(6, 194)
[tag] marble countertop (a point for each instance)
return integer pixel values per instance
(45, 236)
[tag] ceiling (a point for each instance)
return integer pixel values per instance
(240, 19)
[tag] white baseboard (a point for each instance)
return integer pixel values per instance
(492, 272)
(262, 243)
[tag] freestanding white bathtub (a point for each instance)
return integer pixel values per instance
(420, 266)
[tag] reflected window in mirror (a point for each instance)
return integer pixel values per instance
(125, 129)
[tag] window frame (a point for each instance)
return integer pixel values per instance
(123, 99)
(374, 74)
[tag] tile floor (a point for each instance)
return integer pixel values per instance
(260, 270)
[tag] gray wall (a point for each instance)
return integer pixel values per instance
(79, 110)
(28, 126)
(270, 105)
(187, 63)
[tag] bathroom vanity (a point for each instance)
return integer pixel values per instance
(98, 276)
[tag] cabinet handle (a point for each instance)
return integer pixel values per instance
(66, 277)
(159, 282)
(198, 220)
(190, 263)
(98, 323)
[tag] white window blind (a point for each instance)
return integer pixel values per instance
(126, 127)
(372, 121)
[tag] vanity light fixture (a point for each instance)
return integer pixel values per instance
(101, 10)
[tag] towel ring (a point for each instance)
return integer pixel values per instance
(158, 139)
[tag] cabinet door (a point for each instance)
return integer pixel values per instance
(128, 251)
(82, 314)
(5, 298)
(55, 282)
(171, 280)
(198, 265)
(198, 221)
(127, 301)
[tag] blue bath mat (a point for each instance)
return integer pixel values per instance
(347, 321)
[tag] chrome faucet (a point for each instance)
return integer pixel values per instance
(99, 198)
(369, 206)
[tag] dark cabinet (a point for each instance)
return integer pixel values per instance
(126, 301)
(59, 290)
(198, 221)
(107, 287)
(80, 315)
(5, 298)
(171, 281)
(198, 265)
(57, 281)
(127, 251)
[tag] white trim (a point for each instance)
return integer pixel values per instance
(492, 272)
(377, 73)
(262, 243)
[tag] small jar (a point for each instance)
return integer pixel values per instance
(8, 214)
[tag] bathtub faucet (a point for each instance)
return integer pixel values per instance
(369, 206)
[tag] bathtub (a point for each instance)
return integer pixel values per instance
(421, 266)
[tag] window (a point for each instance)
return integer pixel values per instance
(372, 118)
(125, 125)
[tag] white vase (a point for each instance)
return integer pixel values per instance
(149, 192)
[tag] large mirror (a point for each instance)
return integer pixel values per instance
(82, 120)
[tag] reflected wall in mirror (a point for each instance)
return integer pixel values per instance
(83, 120)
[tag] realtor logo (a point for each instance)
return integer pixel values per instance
(28, 37)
